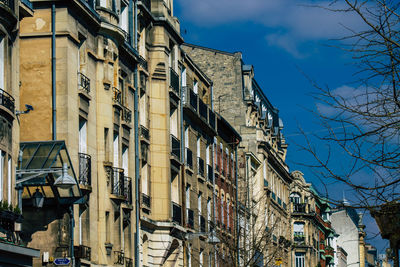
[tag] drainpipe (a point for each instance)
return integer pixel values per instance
(136, 122)
(53, 68)
(72, 224)
(183, 160)
(213, 198)
(237, 208)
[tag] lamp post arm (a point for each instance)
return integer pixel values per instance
(35, 173)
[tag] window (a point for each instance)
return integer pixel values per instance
(187, 137)
(201, 257)
(183, 77)
(222, 208)
(198, 146)
(209, 212)
(125, 160)
(9, 177)
(199, 206)
(2, 62)
(187, 200)
(82, 135)
(195, 86)
(299, 258)
(189, 256)
(295, 198)
(123, 22)
(227, 212)
(116, 149)
(2, 158)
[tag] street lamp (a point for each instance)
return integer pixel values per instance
(65, 181)
(37, 199)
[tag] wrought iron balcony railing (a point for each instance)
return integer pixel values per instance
(119, 257)
(117, 182)
(176, 213)
(85, 169)
(298, 237)
(7, 101)
(193, 99)
(203, 110)
(128, 262)
(84, 83)
(174, 81)
(126, 114)
(175, 147)
(147, 4)
(146, 200)
(190, 218)
(82, 252)
(117, 96)
(200, 166)
(189, 158)
(299, 207)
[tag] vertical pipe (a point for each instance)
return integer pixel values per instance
(136, 122)
(237, 208)
(72, 224)
(213, 196)
(53, 68)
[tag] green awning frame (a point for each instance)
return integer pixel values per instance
(39, 157)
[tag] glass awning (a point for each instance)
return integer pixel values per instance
(41, 164)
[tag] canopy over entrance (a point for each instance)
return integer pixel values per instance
(40, 164)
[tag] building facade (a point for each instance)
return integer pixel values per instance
(261, 156)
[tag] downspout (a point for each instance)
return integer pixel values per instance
(53, 69)
(237, 208)
(183, 160)
(213, 198)
(136, 122)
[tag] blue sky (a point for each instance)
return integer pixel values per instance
(285, 41)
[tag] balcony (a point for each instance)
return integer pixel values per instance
(128, 262)
(126, 115)
(117, 182)
(189, 158)
(7, 101)
(82, 252)
(117, 96)
(190, 218)
(210, 173)
(174, 81)
(200, 167)
(202, 224)
(176, 213)
(175, 147)
(146, 200)
(144, 133)
(299, 237)
(85, 169)
(146, 3)
(119, 257)
(299, 207)
(83, 83)
(128, 190)
(200, 111)
(7, 13)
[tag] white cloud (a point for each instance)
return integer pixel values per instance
(288, 23)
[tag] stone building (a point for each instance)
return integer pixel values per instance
(78, 66)
(261, 156)
(348, 224)
(314, 240)
(11, 249)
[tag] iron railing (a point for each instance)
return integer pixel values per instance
(128, 189)
(85, 169)
(119, 257)
(210, 173)
(175, 147)
(190, 218)
(299, 207)
(82, 252)
(144, 132)
(128, 262)
(117, 96)
(174, 81)
(211, 118)
(298, 237)
(84, 82)
(200, 166)
(146, 200)
(176, 213)
(189, 158)
(7, 101)
(8, 3)
(117, 179)
(203, 110)
(126, 114)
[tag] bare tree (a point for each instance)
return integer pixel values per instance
(362, 123)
